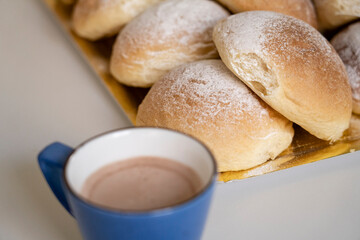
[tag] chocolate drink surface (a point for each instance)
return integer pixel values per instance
(141, 184)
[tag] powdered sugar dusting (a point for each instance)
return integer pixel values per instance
(238, 33)
(270, 34)
(287, 37)
(210, 96)
(211, 81)
(184, 22)
(274, 34)
(347, 44)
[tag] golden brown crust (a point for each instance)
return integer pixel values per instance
(301, 9)
(291, 67)
(205, 100)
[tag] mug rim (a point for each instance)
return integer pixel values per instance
(157, 211)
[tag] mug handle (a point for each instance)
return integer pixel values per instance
(52, 160)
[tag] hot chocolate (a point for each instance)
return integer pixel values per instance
(141, 183)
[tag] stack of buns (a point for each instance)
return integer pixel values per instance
(275, 69)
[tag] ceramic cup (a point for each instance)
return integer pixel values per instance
(66, 169)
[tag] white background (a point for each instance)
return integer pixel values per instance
(48, 93)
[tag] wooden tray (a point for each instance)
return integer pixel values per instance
(305, 148)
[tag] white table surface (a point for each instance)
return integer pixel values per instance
(48, 93)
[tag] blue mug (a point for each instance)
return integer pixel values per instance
(66, 169)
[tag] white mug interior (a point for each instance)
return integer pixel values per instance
(134, 142)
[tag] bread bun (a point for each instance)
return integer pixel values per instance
(335, 13)
(167, 35)
(94, 19)
(301, 9)
(204, 99)
(347, 44)
(291, 66)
